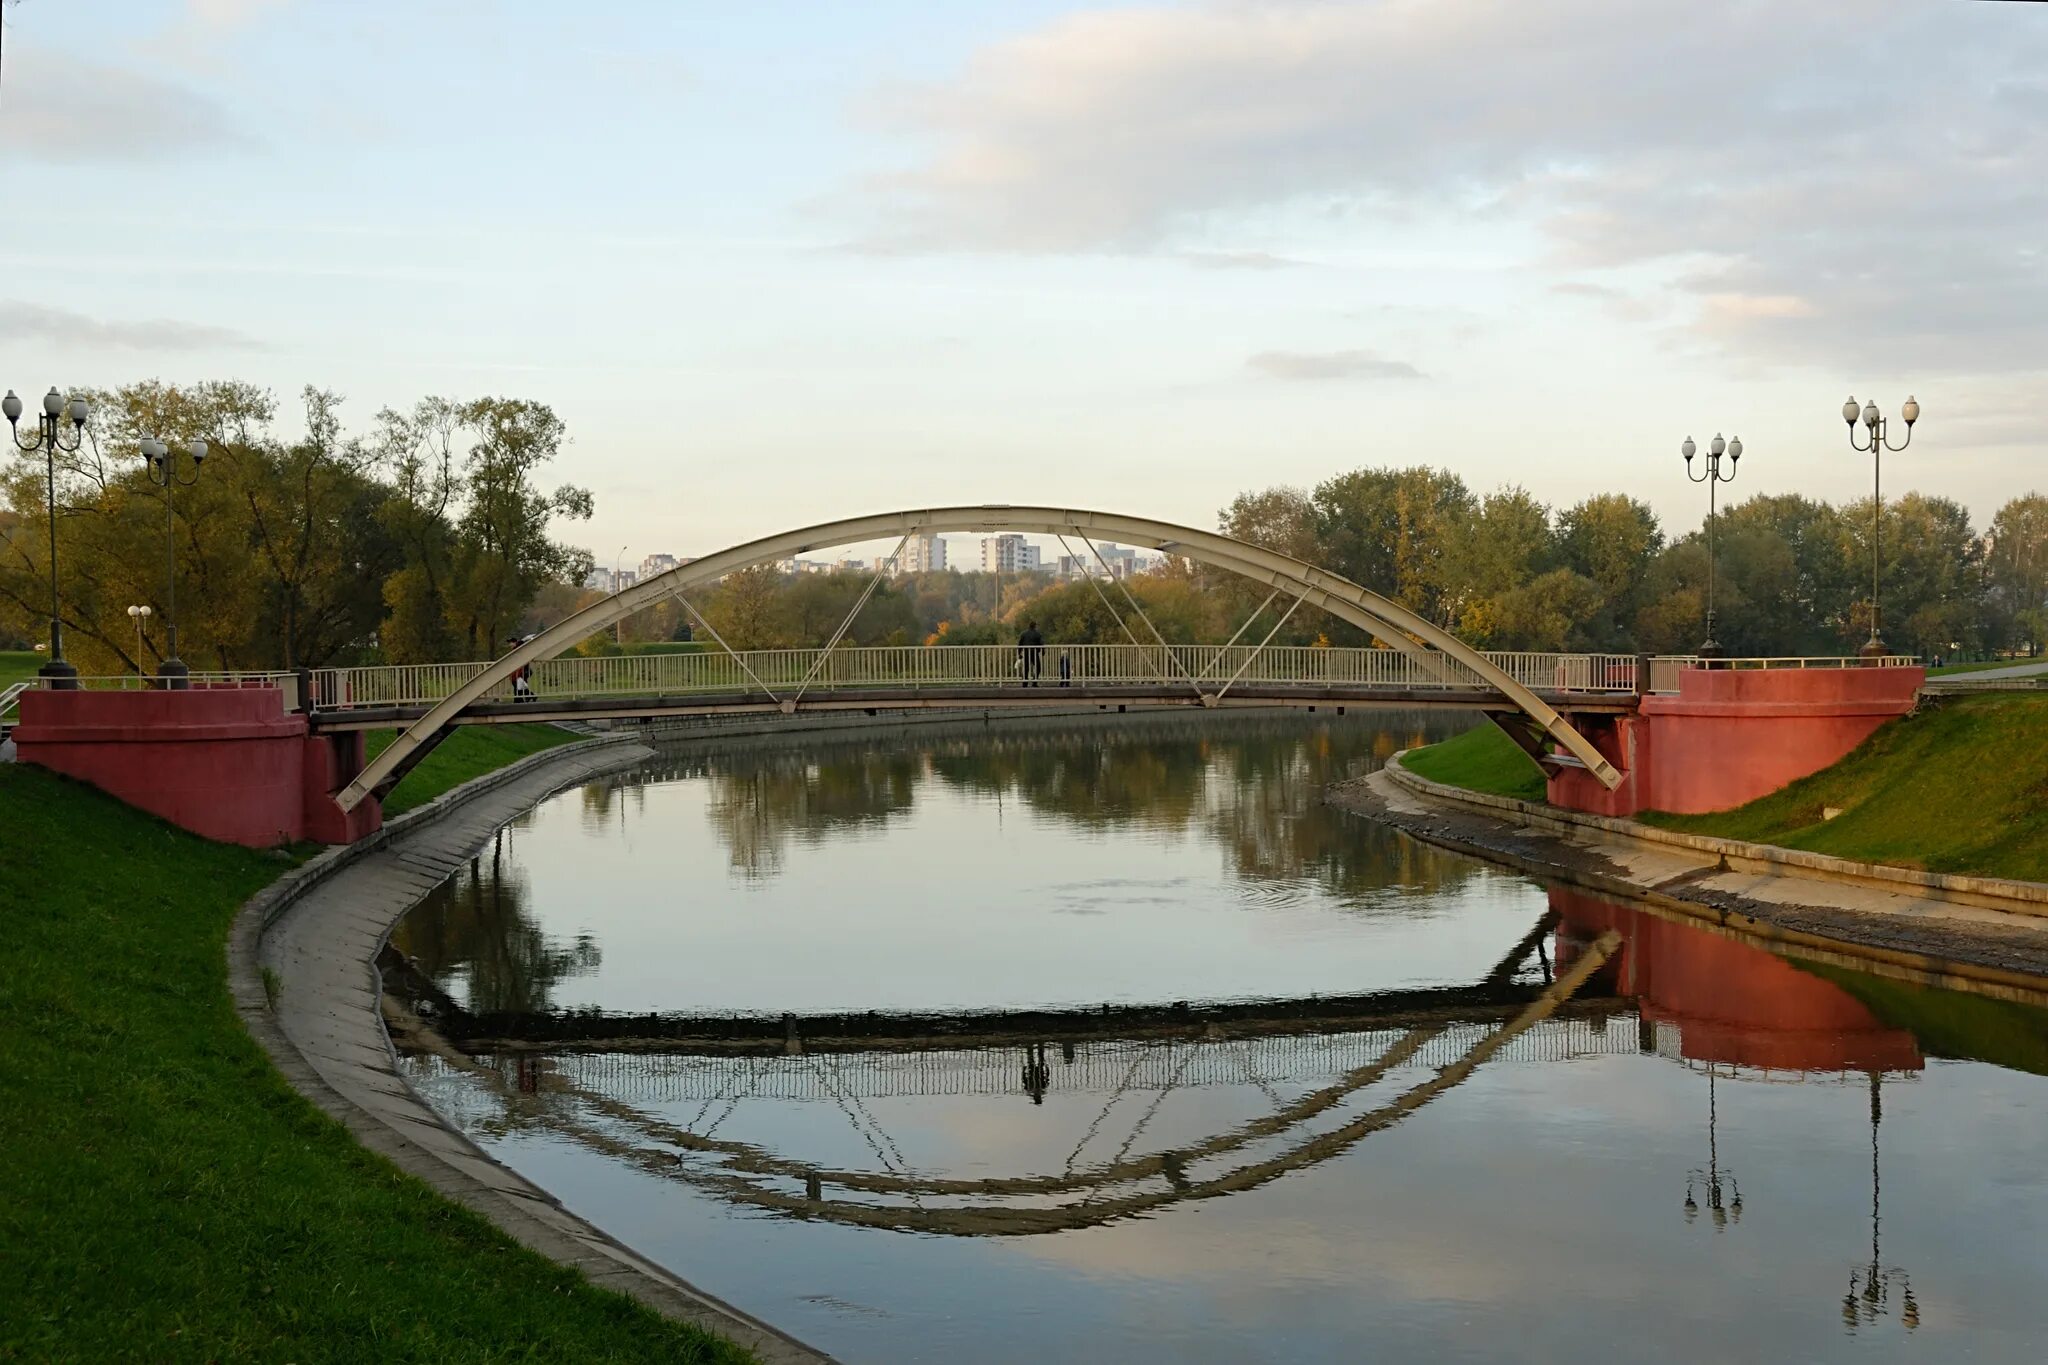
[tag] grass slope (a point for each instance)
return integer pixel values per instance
(164, 1195)
(1961, 786)
(17, 665)
(471, 751)
(1481, 759)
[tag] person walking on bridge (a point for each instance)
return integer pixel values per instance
(1031, 653)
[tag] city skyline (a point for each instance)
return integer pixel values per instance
(800, 265)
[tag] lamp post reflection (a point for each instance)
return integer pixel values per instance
(1724, 1196)
(1870, 1287)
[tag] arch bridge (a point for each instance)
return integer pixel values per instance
(1419, 663)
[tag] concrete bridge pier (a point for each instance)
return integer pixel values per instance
(229, 763)
(1731, 735)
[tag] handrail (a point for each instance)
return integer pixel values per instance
(11, 696)
(338, 689)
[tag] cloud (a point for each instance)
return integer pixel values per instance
(1330, 365)
(58, 327)
(1240, 260)
(1743, 149)
(65, 109)
(227, 13)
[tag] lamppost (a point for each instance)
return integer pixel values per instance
(1870, 1286)
(1713, 476)
(619, 626)
(138, 615)
(1720, 1208)
(56, 673)
(1877, 444)
(162, 467)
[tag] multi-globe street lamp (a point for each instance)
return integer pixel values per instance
(1877, 444)
(57, 673)
(1713, 476)
(161, 464)
(138, 615)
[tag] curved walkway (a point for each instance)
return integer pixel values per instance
(318, 931)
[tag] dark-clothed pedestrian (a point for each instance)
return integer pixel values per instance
(1031, 653)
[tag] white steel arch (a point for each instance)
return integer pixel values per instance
(1348, 601)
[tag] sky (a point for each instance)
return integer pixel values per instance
(776, 264)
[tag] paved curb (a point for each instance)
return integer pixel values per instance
(1996, 893)
(319, 928)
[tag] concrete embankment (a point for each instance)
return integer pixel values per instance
(318, 932)
(1978, 933)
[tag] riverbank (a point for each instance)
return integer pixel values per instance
(1930, 928)
(1956, 787)
(467, 754)
(166, 1195)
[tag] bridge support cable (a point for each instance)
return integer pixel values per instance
(1124, 588)
(881, 573)
(691, 607)
(1237, 635)
(1510, 963)
(1107, 606)
(1217, 698)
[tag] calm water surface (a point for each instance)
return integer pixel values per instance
(1706, 1153)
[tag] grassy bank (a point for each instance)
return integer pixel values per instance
(1481, 759)
(17, 665)
(470, 752)
(1961, 786)
(165, 1195)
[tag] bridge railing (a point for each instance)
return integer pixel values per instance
(1665, 668)
(287, 683)
(788, 671)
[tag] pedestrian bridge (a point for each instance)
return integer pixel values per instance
(1436, 668)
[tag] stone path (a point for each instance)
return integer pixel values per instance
(327, 1036)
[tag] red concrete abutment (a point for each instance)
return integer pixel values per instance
(228, 763)
(1731, 735)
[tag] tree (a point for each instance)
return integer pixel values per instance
(748, 611)
(502, 552)
(1499, 545)
(2017, 570)
(1610, 539)
(1386, 530)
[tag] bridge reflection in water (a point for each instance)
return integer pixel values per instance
(1281, 1086)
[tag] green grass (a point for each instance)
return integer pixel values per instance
(18, 665)
(1949, 1023)
(1481, 759)
(1960, 786)
(1948, 669)
(471, 751)
(165, 1195)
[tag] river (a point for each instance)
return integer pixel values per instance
(1108, 1041)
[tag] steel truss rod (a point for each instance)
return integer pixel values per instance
(691, 607)
(1115, 615)
(1217, 657)
(881, 572)
(1124, 588)
(1253, 656)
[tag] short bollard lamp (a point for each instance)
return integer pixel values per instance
(162, 467)
(1713, 475)
(56, 673)
(138, 615)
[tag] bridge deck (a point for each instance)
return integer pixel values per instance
(1010, 696)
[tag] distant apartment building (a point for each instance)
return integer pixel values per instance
(657, 564)
(1116, 561)
(921, 554)
(624, 579)
(1009, 554)
(598, 580)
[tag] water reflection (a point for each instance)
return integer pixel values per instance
(477, 935)
(1453, 1176)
